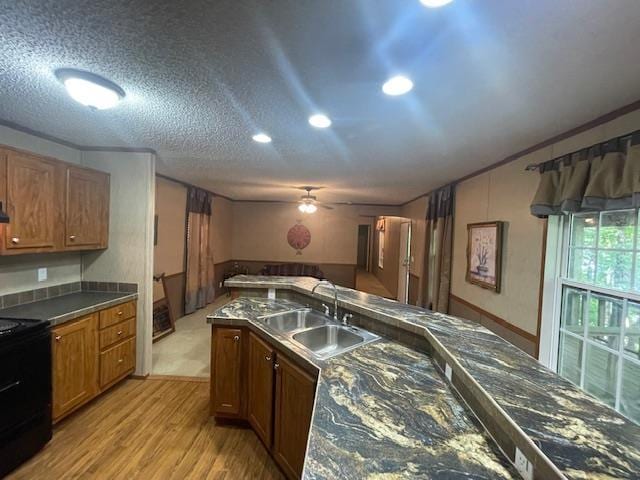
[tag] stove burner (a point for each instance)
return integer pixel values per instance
(7, 325)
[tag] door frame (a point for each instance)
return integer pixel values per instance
(404, 263)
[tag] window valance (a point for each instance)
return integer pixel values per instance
(605, 176)
(199, 201)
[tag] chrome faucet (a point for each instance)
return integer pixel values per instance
(335, 296)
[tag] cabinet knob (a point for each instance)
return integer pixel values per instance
(236, 338)
(276, 366)
(267, 358)
(58, 338)
(120, 313)
(15, 240)
(72, 237)
(119, 333)
(120, 360)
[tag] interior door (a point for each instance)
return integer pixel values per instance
(404, 262)
(31, 202)
(87, 207)
(260, 407)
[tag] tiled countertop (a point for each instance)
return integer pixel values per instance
(67, 307)
(580, 436)
(381, 410)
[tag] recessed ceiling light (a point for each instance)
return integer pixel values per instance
(397, 85)
(319, 121)
(90, 89)
(262, 138)
(435, 3)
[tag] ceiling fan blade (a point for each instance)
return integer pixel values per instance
(322, 205)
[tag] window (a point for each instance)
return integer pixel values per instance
(599, 328)
(381, 248)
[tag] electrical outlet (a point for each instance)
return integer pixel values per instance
(220, 285)
(523, 465)
(271, 293)
(42, 274)
(448, 372)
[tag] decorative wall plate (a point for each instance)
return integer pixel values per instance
(299, 238)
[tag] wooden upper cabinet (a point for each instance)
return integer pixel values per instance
(32, 203)
(295, 391)
(86, 208)
(75, 364)
(227, 364)
(260, 388)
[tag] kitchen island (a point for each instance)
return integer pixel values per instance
(375, 410)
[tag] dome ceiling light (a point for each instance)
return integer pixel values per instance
(319, 120)
(435, 3)
(261, 138)
(90, 89)
(398, 85)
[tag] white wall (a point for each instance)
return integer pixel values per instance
(129, 257)
(20, 273)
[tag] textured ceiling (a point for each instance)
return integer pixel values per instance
(491, 77)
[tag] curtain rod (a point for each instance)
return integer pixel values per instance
(532, 167)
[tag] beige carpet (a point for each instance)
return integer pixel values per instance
(369, 283)
(186, 352)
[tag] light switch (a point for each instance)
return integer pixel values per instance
(42, 274)
(448, 372)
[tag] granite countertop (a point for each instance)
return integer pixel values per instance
(67, 307)
(581, 436)
(381, 410)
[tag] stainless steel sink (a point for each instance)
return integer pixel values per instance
(330, 340)
(295, 320)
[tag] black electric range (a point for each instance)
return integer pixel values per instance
(25, 390)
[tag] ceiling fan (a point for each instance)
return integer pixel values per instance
(309, 203)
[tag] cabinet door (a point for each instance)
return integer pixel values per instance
(87, 208)
(227, 371)
(260, 388)
(75, 376)
(31, 202)
(295, 391)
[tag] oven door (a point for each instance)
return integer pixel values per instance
(25, 380)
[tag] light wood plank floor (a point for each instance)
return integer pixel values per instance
(150, 429)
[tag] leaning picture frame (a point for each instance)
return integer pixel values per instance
(484, 254)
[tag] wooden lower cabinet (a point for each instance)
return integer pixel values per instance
(75, 364)
(260, 388)
(227, 365)
(88, 359)
(295, 391)
(251, 380)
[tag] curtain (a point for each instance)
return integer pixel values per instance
(437, 255)
(605, 176)
(199, 285)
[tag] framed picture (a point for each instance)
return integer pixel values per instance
(484, 254)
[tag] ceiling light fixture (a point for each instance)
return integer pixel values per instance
(307, 208)
(398, 85)
(319, 121)
(90, 89)
(435, 3)
(261, 138)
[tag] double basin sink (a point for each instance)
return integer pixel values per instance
(319, 334)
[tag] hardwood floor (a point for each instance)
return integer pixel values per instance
(150, 429)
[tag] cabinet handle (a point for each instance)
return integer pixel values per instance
(276, 366)
(119, 333)
(236, 338)
(15, 240)
(120, 360)
(58, 338)
(72, 237)
(267, 358)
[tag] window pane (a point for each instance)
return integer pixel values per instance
(605, 318)
(632, 330)
(614, 269)
(600, 374)
(630, 396)
(570, 358)
(617, 229)
(582, 265)
(573, 310)
(584, 230)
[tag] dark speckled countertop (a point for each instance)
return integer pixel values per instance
(581, 437)
(382, 411)
(67, 307)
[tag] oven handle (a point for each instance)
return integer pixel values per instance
(9, 386)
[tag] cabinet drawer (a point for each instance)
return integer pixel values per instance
(117, 332)
(116, 314)
(117, 361)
